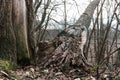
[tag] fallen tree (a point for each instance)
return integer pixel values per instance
(68, 46)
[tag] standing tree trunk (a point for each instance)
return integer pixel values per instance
(117, 61)
(20, 28)
(13, 31)
(7, 35)
(30, 29)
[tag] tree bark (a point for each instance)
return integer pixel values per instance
(30, 29)
(85, 18)
(84, 22)
(13, 31)
(117, 61)
(20, 28)
(7, 36)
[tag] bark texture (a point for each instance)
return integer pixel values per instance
(85, 18)
(13, 31)
(30, 24)
(20, 28)
(7, 36)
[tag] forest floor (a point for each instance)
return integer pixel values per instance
(60, 64)
(37, 73)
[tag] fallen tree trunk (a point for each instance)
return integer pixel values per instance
(75, 36)
(69, 53)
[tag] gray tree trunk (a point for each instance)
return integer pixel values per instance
(85, 18)
(84, 22)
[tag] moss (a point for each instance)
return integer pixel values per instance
(6, 65)
(23, 59)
